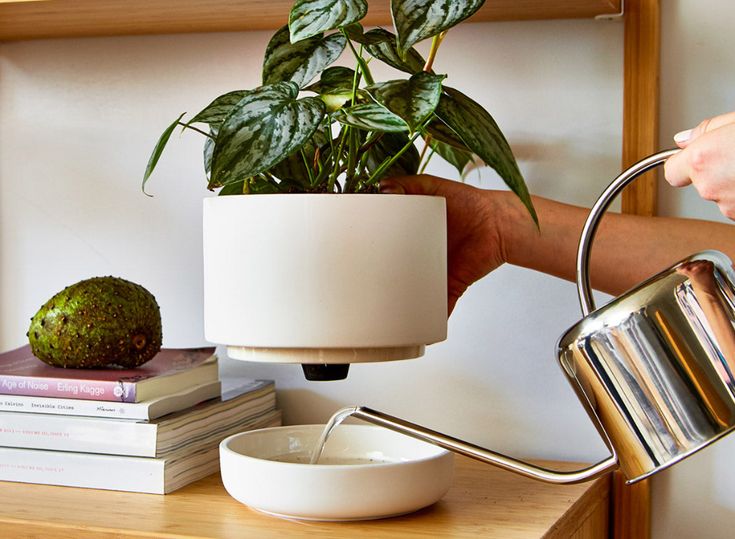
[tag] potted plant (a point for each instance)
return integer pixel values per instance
(298, 273)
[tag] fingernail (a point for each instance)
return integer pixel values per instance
(683, 136)
(390, 188)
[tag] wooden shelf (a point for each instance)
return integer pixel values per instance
(483, 502)
(80, 18)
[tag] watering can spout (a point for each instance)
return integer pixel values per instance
(654, 368)
(486, 455)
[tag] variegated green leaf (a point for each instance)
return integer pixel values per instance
(459, 159)
(478, 131)
(386, 147)
(336, 80)
(263, 127)
(413, 100)
(311, 17)
(299, 62)
(209, 150)
(381, 44)
(232, 188)
(259, 185)
(371, 117)
(441, 131)
(416, 20)
(217, 110)
(158, 149)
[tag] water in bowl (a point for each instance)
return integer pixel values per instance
(305, 458)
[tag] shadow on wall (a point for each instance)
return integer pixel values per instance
(551, 168)
(292, 400)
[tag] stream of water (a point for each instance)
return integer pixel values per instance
(335, 420)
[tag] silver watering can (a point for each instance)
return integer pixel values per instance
(653, 368)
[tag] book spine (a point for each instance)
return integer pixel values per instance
(114, 410)
(82, 470)
(73, 407)
(68, 388)
(82, 434)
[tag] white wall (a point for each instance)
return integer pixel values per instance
(697, 497)
(78, 119)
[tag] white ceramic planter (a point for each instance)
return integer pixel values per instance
(305, 278)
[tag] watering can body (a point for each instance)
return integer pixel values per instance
(654, 367)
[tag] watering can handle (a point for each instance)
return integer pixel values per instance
(587, 303)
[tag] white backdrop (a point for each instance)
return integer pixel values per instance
(79, 117)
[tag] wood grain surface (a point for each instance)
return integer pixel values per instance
(631, 505)
(77, 18)
(484, 501)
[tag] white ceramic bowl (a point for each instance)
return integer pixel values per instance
(396, 474)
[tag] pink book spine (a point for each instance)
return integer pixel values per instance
(68, 388)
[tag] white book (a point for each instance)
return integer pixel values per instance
(151, 409)
(133, 437)
(112, 472)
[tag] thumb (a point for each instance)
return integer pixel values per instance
(392, 187)
(421, 184)
(684, 138)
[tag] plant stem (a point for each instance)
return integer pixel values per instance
(427, 143)
(360, 60)
(385, 165)
(422, 168)
(337, 157)
(307, 167)
(435, 42)
(189, 126)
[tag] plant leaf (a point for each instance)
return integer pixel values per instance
(478, 131)
(311, 17)
(334, 86)
(266, 125)
(232, 188)
(371, 117)
(381, 44)
(217, 110)
(336, 80)
(292, 169)
(356, 33)
(209, 150)
(299, 62)
(388, 145)
(416, 20)
(413, 100)
(459, 159)
(158, 149)
(442, 132)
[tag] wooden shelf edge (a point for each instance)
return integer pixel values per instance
(86, 18)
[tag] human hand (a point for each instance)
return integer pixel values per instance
(707, 161)
(474, 242)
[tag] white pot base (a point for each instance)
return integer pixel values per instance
(324, 355)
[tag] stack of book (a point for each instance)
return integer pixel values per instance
(151, 429)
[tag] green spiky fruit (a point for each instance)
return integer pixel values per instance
(95, 323)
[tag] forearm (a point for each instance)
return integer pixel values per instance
(627, 249)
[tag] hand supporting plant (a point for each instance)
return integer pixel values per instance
(351, 131)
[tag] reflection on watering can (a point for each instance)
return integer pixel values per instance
(653, 368)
